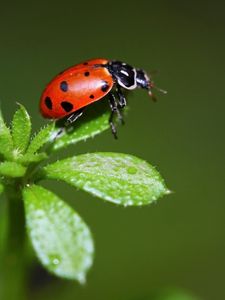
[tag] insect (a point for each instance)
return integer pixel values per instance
(68, 94)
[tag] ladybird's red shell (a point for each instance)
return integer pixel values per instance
(75, 88)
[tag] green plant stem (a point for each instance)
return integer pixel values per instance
(13, 262)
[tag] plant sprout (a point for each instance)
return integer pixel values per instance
(61, 239)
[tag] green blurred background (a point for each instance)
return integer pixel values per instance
(180, 241)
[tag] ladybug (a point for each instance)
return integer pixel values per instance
(72, 90)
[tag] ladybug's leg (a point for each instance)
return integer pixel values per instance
(114, 109)
(122, 100)
(74, 116)
(71, 119)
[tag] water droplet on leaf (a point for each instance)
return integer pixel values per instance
(55, 260)
(132, 170)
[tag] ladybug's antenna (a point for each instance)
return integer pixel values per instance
(152, 96)
(152, 85)
(160, 90)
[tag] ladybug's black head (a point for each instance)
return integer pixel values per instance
(143, 80)
(130, 78)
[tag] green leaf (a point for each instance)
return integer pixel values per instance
(92, 124)
(6, 143)
(12, 169)
(116, 177)
(44, 136)
(61, 239)
(1, 188)
(28, 158)
(21, 129)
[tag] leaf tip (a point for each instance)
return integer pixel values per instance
(81, 278)
(18, 103)
(168, 192)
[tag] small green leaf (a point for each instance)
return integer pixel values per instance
(61, 239)
(28, 158)
(44, 136)
(12, 169)
(6, 143)
(95, 123)
(21, 129)
(116, 177)
(1, 188)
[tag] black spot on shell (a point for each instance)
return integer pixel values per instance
(91, 96)
(105, 86)
(87, 73)
(64, 86)
(85, 63)
(48, 102)
(67, 106)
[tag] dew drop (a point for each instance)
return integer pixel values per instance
(55, 261)
(132, 170)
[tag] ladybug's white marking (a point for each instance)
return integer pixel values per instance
(147, 77)
(132, 87)
(124, 72)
